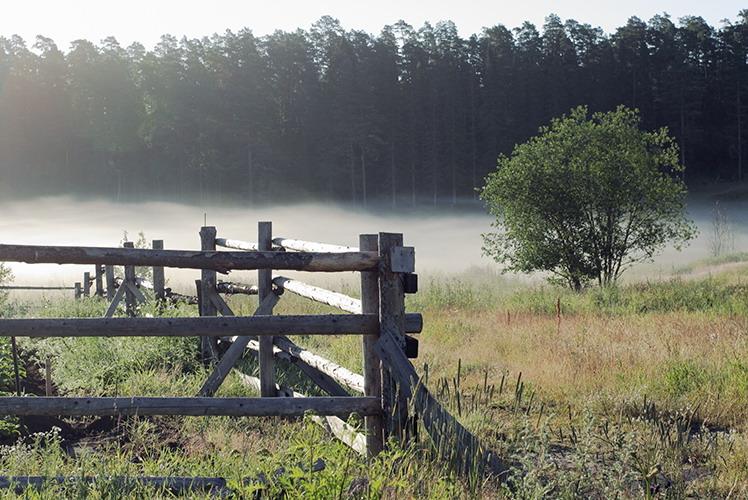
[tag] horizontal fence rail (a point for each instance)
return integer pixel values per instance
(191, 259)
(236, 288)
(413, 321)
(217, 326)
(31, 287)
(311, 246)
(237, 407)
(341, 375)
(335, 299)
(237, 244)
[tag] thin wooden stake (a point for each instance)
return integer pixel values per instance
(109, 277)
(158, 273)
(48, 376)
(99, 279)
(129, 278)
(14, 347)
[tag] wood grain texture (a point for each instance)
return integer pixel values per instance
(326, 324)
(237, 407)
(188, 259)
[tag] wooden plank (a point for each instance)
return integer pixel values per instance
(265, 289)
(372, 366)
(159, 279)
(322, 324)
(311, 246)
(451, 438)
(115, 301)
(318, 294)
(37, 288)
(237, 407)
(403, 259)
(86, 284)
(234, 353)
(413, 322)
(218, 261)
(341, 375)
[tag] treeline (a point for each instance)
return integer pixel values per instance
(409, 116)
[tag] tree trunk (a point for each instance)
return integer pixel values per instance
(392, 170)
(363, 176)
(740, 133)
(353, 174)
(250, 174)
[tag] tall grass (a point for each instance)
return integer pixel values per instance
(722, 295)
(638, 391)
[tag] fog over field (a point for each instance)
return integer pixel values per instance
(446, 241)
(442, 241)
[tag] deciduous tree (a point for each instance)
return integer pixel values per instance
(587, 198)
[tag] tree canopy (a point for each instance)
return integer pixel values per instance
(587, 198)
(411, 115)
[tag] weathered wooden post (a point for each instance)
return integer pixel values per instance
(208, 345)
(391, 320)
(265, 288)
(78, 290)
(86, 284)
(99, 278)
(109, 276)
(129, 280)
(372, 364)
(159, 282)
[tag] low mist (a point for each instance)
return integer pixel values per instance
(449, 242)
(446, 242)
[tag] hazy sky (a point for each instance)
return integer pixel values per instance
(146, 20)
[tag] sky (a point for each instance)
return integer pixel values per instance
(145, 21)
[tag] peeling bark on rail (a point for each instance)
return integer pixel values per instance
(187, 259)
(413, 321)
(341, 375)
(311, 246)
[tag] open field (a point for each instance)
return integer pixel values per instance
(624, 393)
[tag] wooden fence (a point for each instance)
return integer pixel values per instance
(390, 394)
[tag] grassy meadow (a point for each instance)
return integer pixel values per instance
(639, 391)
